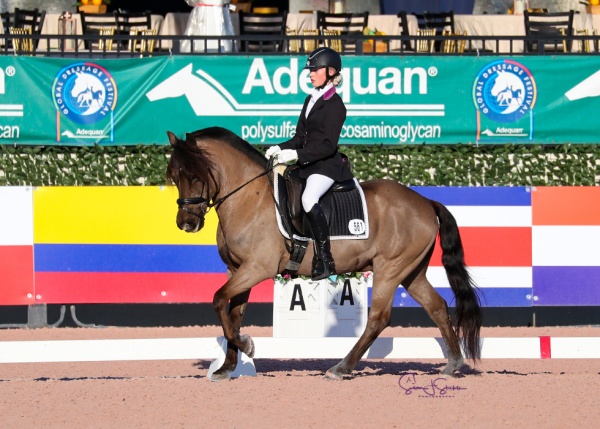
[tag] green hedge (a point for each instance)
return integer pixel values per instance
(435, 165)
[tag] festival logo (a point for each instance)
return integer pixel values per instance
(504, 94)
(85, 94)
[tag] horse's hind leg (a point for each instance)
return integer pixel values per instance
(436, 307)
(379, 318)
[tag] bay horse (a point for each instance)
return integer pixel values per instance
(214, 167)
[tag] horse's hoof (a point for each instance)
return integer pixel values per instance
(332, 376)
(220, 375)
(248, 349)
(448, 372)
(453, 366)
(335, 373)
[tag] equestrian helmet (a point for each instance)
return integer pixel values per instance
(324, 57)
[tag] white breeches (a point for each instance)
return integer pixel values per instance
(316, 186)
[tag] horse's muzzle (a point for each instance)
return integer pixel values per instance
(190, 225)
(195, 222)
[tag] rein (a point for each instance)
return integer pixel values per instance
(182, 202)
(206, 205)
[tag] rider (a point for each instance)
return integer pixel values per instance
(315, 148)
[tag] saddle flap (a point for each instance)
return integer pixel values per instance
(344, 208)
(294, 186)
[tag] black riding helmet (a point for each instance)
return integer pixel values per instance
(324, 57)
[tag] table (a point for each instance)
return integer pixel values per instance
(509, 25)
(50, 27)
(387, 24)
(51, 23)
(595, 22)
(175, 24)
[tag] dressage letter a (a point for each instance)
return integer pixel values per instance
(347, 293)
(297, 299)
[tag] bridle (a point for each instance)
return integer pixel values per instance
(205, 203)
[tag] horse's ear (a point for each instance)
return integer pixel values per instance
(172, 138)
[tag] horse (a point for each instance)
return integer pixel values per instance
(86, 94)
(90, 97)
(506, 95)
(214, 167)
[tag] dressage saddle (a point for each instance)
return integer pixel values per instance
(294, 186)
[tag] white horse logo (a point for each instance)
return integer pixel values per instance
(89, 93)
(209, 98)
(509, 91)
(197, 91)
(589, 87)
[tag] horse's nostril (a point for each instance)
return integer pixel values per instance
(190, 227)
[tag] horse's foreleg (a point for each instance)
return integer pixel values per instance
(436, 307)
(231, 322)
(237, 307)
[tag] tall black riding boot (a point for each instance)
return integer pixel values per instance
(322, 265)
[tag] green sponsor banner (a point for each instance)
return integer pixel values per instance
(390, 99)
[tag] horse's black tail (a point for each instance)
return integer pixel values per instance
(468, 310)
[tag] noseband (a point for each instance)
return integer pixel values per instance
(205, 206)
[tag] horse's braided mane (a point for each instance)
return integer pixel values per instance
(193, 162)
